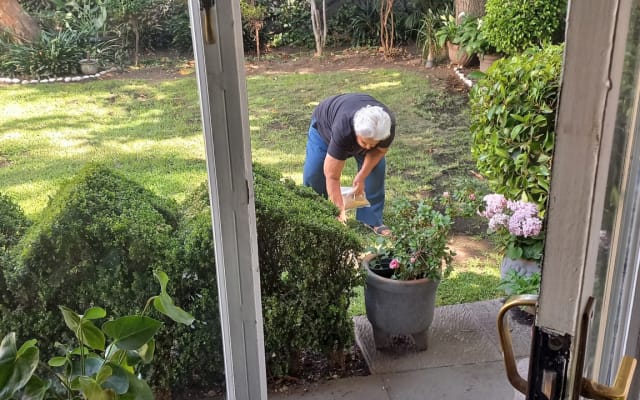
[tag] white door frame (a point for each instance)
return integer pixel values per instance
(217, 43)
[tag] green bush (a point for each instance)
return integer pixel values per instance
(54, 54)
(98, 242)
(308, 270)
(13, 222)
(513, 112)
(307, 267)
(511, 26)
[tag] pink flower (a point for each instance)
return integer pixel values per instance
(394, 264)
(495, 205)
(446, 195)
(412, 260)
(472, 196)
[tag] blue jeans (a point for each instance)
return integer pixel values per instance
(313, 176)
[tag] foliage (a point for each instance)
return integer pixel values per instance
(419, 245)
(472, 38)
(13, 223)
(308, 270)
(92, 369)
(465, 199)
(517, 224)
(287, 24)
(101, 235)
(427, 39)
(52, 55)
(513, 26)
(253, 16)
(513, 111)
(448, 31)
(516, 282)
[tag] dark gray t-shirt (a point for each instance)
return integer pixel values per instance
(334, 121)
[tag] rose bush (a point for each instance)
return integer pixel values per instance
(419, 245)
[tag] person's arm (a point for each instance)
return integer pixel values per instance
(371, 159)
(332, 172)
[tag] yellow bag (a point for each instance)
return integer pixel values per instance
(352, 201)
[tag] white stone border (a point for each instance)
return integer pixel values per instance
(458, 70)
(52, 80)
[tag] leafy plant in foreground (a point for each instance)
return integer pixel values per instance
(93, 369)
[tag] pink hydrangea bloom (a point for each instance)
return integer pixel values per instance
(394, 264)
(495, 205)
(497, 221)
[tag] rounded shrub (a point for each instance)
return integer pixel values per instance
(511, 26)
(13, 222)
(513, 113)
(308, 271)
(97, 243)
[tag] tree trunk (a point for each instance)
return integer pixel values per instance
(474, 8)
(319, 24)
(387, 26)
(17, 22)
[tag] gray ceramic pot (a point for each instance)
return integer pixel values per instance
(399, 307)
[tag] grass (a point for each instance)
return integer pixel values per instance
(150, 131)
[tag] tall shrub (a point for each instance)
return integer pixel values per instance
(513, 114)
(511, 26)
(308, 270)
(98, 242)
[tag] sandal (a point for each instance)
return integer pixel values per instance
(381, 230)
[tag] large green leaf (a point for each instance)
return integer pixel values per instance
(131, 332)
(35, 389)
(119, 380)
(138, 390)
(91, 335)
(71, 318)
(86, 332)
(16, 367)
(94, 313)
(93, 391)
(164, 302)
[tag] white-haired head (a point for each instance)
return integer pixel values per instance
(372, 122)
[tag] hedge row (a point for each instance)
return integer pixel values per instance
(102, 235)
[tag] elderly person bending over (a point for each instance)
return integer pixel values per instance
(350, 125)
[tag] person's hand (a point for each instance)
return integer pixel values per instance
(343, 217)
(358, 186)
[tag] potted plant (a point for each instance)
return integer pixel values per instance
(92, 369)
(518, 228)
(448, 34)
(403, 272)
(88, 65)
(474, 41)
(426, 39)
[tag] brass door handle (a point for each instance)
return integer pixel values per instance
(620, 388)
(514, 377)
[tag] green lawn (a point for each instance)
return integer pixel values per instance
(150, 131)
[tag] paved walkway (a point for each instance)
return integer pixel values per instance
(463, 361)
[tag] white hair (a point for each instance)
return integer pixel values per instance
(372, 122)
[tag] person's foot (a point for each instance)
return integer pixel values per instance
(381, 230)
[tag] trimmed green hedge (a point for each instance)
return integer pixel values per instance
(308, 270)
(512, 26)
(102, 235)
(513, 114)
(97, 243)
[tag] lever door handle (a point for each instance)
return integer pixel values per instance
(513, 375)
(621, 385)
